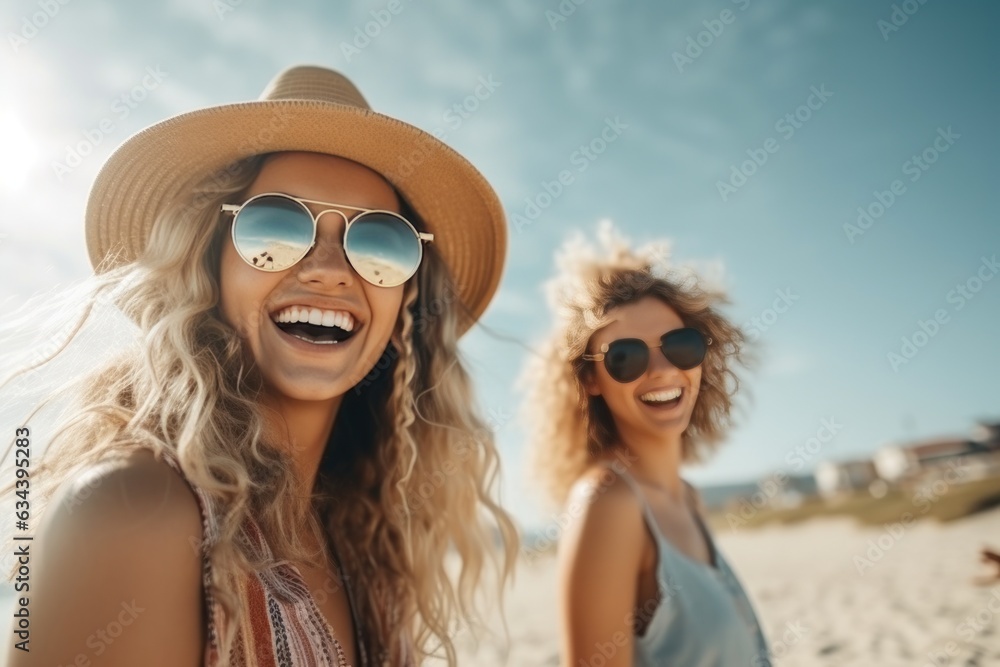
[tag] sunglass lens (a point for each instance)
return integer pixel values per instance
(626, 359)
(383, 249)
(272, 233)
(684, 348)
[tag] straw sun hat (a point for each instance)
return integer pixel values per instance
(304, 108)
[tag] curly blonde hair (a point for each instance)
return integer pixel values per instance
(410, 479)
(568, 428)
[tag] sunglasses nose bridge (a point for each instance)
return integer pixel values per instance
(327, 252)
(659, 362)
(317, 217)
(323, 235)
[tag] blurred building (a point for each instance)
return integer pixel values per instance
(987, 433)
(978, 454)
(834, 478)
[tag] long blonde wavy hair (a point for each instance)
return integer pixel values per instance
(410, 478)
(570, 429)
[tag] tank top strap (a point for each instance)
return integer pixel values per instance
(348, 587)
(714, 554)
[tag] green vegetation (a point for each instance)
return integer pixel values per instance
(939, 501)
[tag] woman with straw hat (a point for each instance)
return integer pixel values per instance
(274, 473)
(636, 379)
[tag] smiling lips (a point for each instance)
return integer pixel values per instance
(326, 318)
(662, 397)
(313, 325)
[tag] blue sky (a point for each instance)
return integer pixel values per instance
(833, 104)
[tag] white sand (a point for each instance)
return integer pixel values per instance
(916, 605)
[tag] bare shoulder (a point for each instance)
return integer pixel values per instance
(116, 569)
(602, 505)
(601, 555)
(136, 486)
(604, 484)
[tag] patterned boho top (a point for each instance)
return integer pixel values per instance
(283, 625)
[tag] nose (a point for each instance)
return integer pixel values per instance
(659, 364)
(327, 262)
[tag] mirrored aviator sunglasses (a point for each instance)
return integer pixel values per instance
(274, 231)
(627, 359)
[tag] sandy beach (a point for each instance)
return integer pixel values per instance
(828, 591)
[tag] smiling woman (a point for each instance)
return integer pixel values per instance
(295, 358)
(246, 472)
(636, 379)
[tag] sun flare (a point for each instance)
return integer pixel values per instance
(19, 155)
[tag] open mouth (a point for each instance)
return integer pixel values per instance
(319, 327)
(665, 398)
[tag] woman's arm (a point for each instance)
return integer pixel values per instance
(600, 553)
(116, 573)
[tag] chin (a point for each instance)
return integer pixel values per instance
(675, 426)
(302, 391)
(677, 430)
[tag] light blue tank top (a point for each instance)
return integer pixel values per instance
(704, 618)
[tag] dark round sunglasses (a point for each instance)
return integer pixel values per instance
(626, 359)
(274, 231)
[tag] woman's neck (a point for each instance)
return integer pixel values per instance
(655, 461)
(303, 428)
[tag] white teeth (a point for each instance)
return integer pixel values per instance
(317, 342)
(661, 396)
(326, 318)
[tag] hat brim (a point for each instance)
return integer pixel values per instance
(158, 165)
